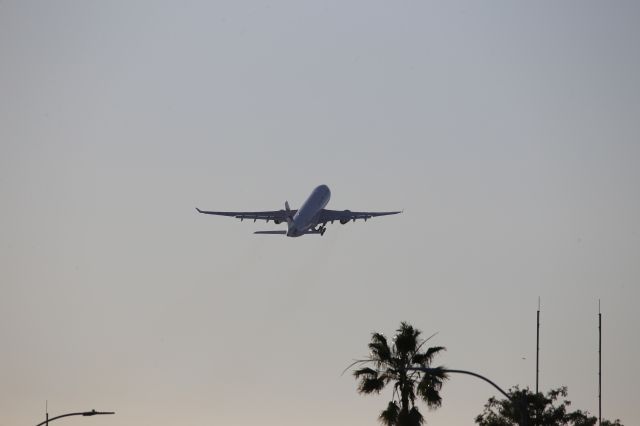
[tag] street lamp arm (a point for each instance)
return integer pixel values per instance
(520, 403)
(471, 373)
(84, 413)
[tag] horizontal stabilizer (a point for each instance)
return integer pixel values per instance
(271, 232)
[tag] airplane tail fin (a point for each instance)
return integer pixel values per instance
(289, 216)
(271, 232)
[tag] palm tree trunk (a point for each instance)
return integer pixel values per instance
(404, 399)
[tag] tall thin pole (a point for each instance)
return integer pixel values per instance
(538, 346)
(599, 365)
(46, 409)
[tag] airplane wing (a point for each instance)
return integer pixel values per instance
(274, 215)
(345, 216)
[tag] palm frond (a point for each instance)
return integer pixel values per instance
(434, 379)
(406, 340)
(415, 417)
(429, 388)
(389, 417)
(389, 374)
(360, 361)
(411, 393)
(370, 385)
(405, 327)
(365, 371)
(379, 347)
(431, 397)
(434, 350)
(426, 340)
(420, 358)
(425, 358)
(410, 417)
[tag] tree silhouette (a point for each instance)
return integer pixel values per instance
(389, 363)
(547, 410)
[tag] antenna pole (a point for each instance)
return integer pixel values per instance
(46, 409)
(538, 345)
(599, 365)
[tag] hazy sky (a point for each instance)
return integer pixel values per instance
(508, 131)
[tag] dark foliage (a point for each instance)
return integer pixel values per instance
(389, 363)
(551, 409)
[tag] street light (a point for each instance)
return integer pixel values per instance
(519, 403)
(83, 413)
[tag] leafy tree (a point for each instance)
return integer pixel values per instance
(549, 410)
(389, 362)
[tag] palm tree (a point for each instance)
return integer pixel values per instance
(390, 363)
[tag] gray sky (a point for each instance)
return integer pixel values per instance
(508, 132)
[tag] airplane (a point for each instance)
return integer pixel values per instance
(311, 218)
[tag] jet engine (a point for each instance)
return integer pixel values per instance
(344, 221)
(278, 221)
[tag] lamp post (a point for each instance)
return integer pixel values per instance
(83, 413)
(524, 421)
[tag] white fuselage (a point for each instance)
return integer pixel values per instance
(306, 217)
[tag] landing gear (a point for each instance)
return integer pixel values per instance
(320, 229)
